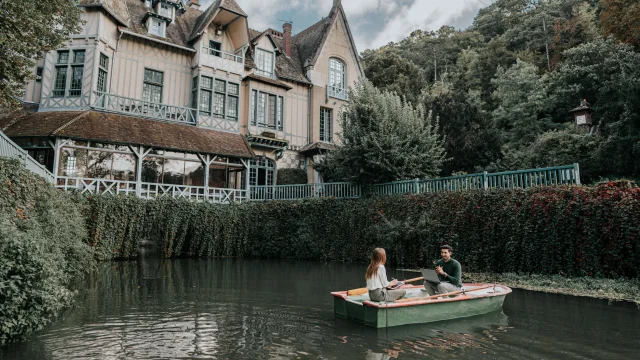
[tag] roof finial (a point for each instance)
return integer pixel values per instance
(337, 3)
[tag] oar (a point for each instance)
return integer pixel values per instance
(443, 295)
(362, 291)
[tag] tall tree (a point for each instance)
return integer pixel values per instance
(384, 139)
(622, 19)
(27, 30)
(388, 71)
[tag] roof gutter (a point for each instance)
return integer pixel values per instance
(156, 40)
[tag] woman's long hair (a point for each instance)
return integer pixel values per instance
(378, 258)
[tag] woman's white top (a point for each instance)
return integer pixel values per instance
(378, 280)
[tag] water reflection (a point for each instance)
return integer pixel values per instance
(183, 309)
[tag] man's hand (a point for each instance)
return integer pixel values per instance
(440, 271)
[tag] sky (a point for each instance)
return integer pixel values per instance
(374, 23)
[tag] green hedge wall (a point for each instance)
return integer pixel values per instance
(42, 251)
(291, 177)
(570, 231)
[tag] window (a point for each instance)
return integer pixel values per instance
(175, 168)
(267, 110)
(103, 68)
(218, 96)
(326, 117)
(39, 74)
(261, 172)
(166, 11)
(156, 27)
(264, 61)
(152, 87)
(97, 161)
(64, 68)
(194, 93)
(147, 3)
(214, 48)
(337, 79)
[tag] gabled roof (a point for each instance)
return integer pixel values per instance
(116, 8)
(205, 19)
(286, 67)
(100, 126)
(311, 40)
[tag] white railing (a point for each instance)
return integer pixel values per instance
(337, 92)
(223, 54)
(12, 150)
(150, 191)
(128, 106)
(308, 191)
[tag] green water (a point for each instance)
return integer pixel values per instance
(244, 309)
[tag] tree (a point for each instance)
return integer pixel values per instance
(27, 30)
(384, 139)
(521, 97)
(622, 19)
(388, 71)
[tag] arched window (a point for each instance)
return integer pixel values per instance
(262, 172)
(337, 79)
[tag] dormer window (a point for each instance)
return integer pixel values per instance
(165, 10)
(156, 27)
(147, 3)
(264, 61)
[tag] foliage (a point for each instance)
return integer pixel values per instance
(27, 30)
(384, 139)
(622, 19)
(291, 177)
(571, 231)
(42, 250)
(390, 72)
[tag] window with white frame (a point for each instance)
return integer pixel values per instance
(219, 98)
(267, 110)
(166, 10)
(147, 3)
(103, 69)
(152, 86)
(326, 119)
(156, 27)
(262, 172)
(337, 79)
(69, 63)
(264, 62)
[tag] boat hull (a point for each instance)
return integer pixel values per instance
(380, 315)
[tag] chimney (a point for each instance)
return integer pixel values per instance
(193, 4)
(286, 30)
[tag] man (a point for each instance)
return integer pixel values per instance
(449, 272)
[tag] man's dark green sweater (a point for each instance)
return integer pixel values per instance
(453, 270)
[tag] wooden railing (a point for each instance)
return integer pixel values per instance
(223, 54)
(12, 150)
(337, 92)
(150, 190)
(128, 106)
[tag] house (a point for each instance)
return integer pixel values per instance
(161, 95)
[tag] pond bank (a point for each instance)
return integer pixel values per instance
(607, 289)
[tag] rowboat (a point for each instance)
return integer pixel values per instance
(418, 308)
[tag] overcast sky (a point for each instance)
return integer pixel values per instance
(373, 22)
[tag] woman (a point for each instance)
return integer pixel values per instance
(377, 283)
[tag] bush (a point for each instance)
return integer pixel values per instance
(573, 231)
(292, 177)
(42, 250)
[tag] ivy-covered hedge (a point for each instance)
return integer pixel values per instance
(42, 250)
(291, 177)
(570, 231)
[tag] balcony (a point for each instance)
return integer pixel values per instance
(338, 93)
(139, 108)
(222, 60)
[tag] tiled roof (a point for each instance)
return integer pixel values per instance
(317, 146)
(93, 125)
(117, 8)
(288, 68)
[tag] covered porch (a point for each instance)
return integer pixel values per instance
(100, 153)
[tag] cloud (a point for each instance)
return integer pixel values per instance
(374, 23)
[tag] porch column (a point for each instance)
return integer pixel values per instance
(247, 173)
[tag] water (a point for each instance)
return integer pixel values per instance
(242, 309)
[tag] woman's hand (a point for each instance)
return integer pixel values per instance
(393, 283)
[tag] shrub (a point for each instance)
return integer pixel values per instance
(573, 231)
(42, 250)
(292, 177)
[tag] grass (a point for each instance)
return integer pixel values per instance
(608, 289)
